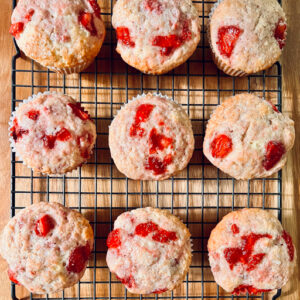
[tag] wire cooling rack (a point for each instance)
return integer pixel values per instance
(200, 195)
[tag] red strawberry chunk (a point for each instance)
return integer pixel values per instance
(128, 281)
(164, 236)
(44, 225)
(243, 289)
(29, 15)
(221, 146)
(114, 239)
(63, 135)
(33, 114)
(79, 111)
(153, 5)
(16, 29)
(289, 243)
(123, 35)
(49, 141)
(227, 38)
(144, 229)
(86, 20)
(274, 153)
(235, 229)
(159, 291)
(78, 259)
(157, 166)
(17, 132)
(171, 42)
(95, 7)
(158, 141)
(12, 276)
(280, 33)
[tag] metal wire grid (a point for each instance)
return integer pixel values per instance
(217, 192)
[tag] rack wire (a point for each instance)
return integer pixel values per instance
(199, 195)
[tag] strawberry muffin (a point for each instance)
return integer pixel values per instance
(246, 36)
(247, 137)
(47, 247)
(250, 252)
(149, 250)
(151, 138)
(155, 36)
(52, 133)
(64, 36)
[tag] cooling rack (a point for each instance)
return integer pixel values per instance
(200, 195)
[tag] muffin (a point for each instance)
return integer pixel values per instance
(149, 250)
(47, 247)
(155, 36)
(247, 137)
(250, 252)
(52, 133)
(151, 138)
(64, 36)
(246, 36)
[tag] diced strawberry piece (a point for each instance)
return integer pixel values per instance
(156, 165)
(158, 141)
(44, 225)
(144, 229)
(78, 259)
(63, 135)
(254, 260)
(114, 239)
(243, 254)
(12, 276)
(289, 243)
(280, 33)
(243, 289)
(167, 43)
(153, 5)
(29, 15)
(86, 20)
(227, 38)
(142, 115)
(128, 281)
(33, 114)
(159, 291)
(186, 33)
(274, 107)
(79, 111)
(171, 42)
(85, 153)
(16, 131)
(123, 35)
(16, 29)
(274, 152)
(95, 7)
(164, 236)
(235, 229)
(49, 141)
(221, 146)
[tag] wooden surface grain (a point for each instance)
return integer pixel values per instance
(291, 106)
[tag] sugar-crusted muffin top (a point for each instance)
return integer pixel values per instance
(149, 250)
(250, 251)
(52, 133)
(155, 35)
(247, 35)
(47, 247)
(58, 34)
(248, 137)
(151, 138)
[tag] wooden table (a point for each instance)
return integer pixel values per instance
(291, 106)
